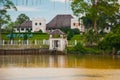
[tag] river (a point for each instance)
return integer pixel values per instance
(59, 67)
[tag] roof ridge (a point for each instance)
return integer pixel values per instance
(57, 31)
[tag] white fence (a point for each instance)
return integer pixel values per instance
(29, 43)
(24, 42)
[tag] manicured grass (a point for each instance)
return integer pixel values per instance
(35, 36)
(41, 36)
(78, 37)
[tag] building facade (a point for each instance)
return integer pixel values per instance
(75, 24)
(35, 25)
(38, 24)
(58, 22)
(57, 40)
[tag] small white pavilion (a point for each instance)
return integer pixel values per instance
(57, 40)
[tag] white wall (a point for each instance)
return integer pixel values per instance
(75, 24)
(38, 24)
(24, 29)
(107, 30)
(119, 1)
(62, 44)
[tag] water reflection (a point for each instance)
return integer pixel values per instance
(60, 61)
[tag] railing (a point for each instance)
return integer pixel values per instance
(10, 44)
(21, 44)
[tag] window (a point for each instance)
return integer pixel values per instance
(35, 23)
(40, 23)
(107, 28)
(73, 24)
(22, 29)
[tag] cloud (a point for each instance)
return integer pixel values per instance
(26, 9)
(62, 1)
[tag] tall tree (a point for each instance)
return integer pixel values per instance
(21, 18)
(94, 8)
(9, 26)
(4, 17)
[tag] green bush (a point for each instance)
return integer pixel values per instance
(70, 50)
(70, 32)
(80, 49)
(76, 31)
(110, 41)
(70, 35)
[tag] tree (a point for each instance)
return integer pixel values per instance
(87, 22)
(9, 26)
(91, 38)
(92, 9)
(4, 17)
(111, 40)
(21, 18)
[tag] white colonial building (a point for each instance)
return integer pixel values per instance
(36, 24)
(76, 24)
(58, 22)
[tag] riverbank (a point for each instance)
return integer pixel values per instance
(30, 51)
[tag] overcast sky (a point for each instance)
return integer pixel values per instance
(41, 8)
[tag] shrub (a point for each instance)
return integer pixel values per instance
(70, 50)
(111, 40)
(76, 31)
(70, 32)
(79, 48)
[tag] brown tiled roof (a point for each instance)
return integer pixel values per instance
(57, 31)
(60, 21)
(26, 24)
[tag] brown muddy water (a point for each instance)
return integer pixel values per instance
(59, 67)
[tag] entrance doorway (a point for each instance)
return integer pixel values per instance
(56, 44)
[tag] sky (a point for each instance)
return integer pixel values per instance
(41, 8)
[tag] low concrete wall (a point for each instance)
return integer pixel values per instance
(29, 52)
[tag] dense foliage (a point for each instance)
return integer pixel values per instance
(96, 13)
(111, 41)
(22, 18)
(96, 16)
(70, 32)
(4, 17)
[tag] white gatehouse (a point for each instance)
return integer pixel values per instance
(57, 40)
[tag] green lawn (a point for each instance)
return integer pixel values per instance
(79, 38)
(41, 36)
(35, 36)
